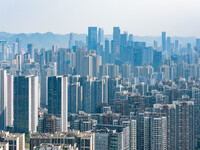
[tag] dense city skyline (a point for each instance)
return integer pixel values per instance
(138, 17)
(117, 75)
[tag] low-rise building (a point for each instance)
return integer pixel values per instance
(82, 140)
(16, 140)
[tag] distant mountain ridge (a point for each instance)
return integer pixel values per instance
(46, 40)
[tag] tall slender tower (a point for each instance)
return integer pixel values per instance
(163, 41)
(100, 35)
(58, 99)
(116, 38)
(30, 50)
(26, 99)
(3, 99)
(92, 38)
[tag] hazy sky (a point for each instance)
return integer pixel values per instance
(140, 17)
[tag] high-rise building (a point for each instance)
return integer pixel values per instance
(87, 96)
(196, 99)
(170, 112)
(80, 53)
(197, 46)
(6, 100)
(90, 65)
(75, 97)
(114, 50)
(18, 59)
(19, 43)
(133, 135)
(123, 43)
(185, 126)
(30, 50)
(71, 40)
(157, 60)
(54, 48)
(3, 99)
(168, 45)
(58, 99)
(113, 70)
(92, 38)
(101, 140)
(100, 35)
(3, 50)
(9, 120)
(159, 133)
(107, 51)
(116, 35)
(14, 49)
(61, 62)
(112, 84)
(126, 71)
(45, 73)
(26, 99)
(163, 41)
(87, 66)
(99, 94)
(148, 56)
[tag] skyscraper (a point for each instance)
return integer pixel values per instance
(92, 38)
(71, 40)
(100, 35)
(87, 98)
(163, 41)
(30, 50)
(114, 49)
(133, 135)
(10, 88)
(159, 133)
(123, 41)
(75, 97)
(116, 37)
(26, 98)
(90, 65)
(18, 62)
(3, 99)
(14, 49)
(19, 43)
(61, 62)
(58, 99)
(6, 100)
(185, 126)
(3, 50)
(126, 70)
(107, 51)
(168, 46)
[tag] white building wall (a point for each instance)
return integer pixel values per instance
(64, 104)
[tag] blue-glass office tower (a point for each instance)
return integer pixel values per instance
(163, 41)
(157, 60)
(107, 51)
(21, 104)
(100, 35)
(58, 99)
(30, 50)
(116, 35)
(26, 99)
(123, 43)
(19, 43)
(116, 38)
(92, 38)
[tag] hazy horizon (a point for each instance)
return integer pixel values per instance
(144, 17)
